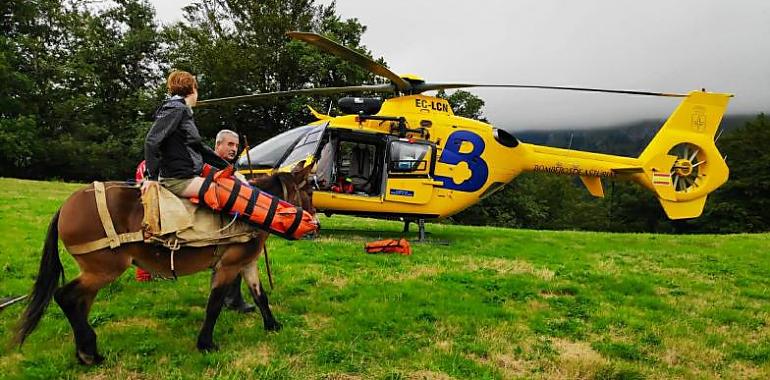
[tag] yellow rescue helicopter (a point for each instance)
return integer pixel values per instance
(410, 158)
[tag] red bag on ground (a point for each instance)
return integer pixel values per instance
(400, 246)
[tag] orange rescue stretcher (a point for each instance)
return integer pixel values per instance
(223, 193)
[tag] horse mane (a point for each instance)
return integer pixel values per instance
(270, 183)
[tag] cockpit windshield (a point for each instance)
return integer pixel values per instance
(269, 153)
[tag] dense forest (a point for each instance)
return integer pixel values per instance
(80, 80)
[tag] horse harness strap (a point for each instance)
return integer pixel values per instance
(113, 239)
(128, 237)
(233, 197)
(104, 214)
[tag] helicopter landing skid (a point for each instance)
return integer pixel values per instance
(423, 237)
(420, 229)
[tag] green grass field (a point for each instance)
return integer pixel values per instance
(493, 303)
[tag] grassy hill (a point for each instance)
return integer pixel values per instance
(493, 303)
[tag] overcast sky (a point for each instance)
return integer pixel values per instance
(659, 45)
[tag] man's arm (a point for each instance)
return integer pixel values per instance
(165, 123)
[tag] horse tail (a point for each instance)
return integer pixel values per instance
(50, 275)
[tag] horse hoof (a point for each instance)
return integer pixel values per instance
(88, 359)
(276, 326)
(207, 347)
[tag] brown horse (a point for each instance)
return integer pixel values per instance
(77, 222)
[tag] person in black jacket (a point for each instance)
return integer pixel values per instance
(173, 150)
(175, 155)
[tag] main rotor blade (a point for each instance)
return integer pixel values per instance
(350, 55)
(305, 91)
(445, 86)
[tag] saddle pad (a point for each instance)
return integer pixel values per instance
(174, 220)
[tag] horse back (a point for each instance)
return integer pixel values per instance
(79, 220)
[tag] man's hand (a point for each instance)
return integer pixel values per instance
(146, 185)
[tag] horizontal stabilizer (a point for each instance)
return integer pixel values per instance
(594, 185)
(683, 210)
(629, 170)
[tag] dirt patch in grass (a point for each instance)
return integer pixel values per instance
(444, 345)
(692, 354)
(551, 293)
(577, 351)
(511, 366)
(537, 305)
(504, 266)
(338, 282)
(508, 364)
(501, 336)
(608, 267)
(117, 372)
(509, 350)
(134, 322)
(340, 376)
(428, 375)
(317, 321)
(742, 370)
(413, 273)
(681, 274)
(249, 358)
(576, 360)
(10, 361)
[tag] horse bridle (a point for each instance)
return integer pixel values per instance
(297, 200)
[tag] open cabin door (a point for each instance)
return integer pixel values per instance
(410, 166)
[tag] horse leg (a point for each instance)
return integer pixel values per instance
(220, 285)
(260, 297)
(75, 299)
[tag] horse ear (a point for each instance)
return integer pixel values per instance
(298, 167)
(300, 171)
(308, 169)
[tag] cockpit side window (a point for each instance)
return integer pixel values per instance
(305, 146)
(269, 153)
(407, 157)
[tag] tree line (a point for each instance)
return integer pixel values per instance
(81, 80)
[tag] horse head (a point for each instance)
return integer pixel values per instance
(294, 187)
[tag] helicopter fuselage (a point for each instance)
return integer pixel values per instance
(422, 161)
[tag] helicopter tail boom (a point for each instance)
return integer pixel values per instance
(681, 165)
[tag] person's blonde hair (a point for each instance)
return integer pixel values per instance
(181, 83)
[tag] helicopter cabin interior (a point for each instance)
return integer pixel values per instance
(351, 162)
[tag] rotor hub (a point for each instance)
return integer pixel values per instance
(683, 167)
